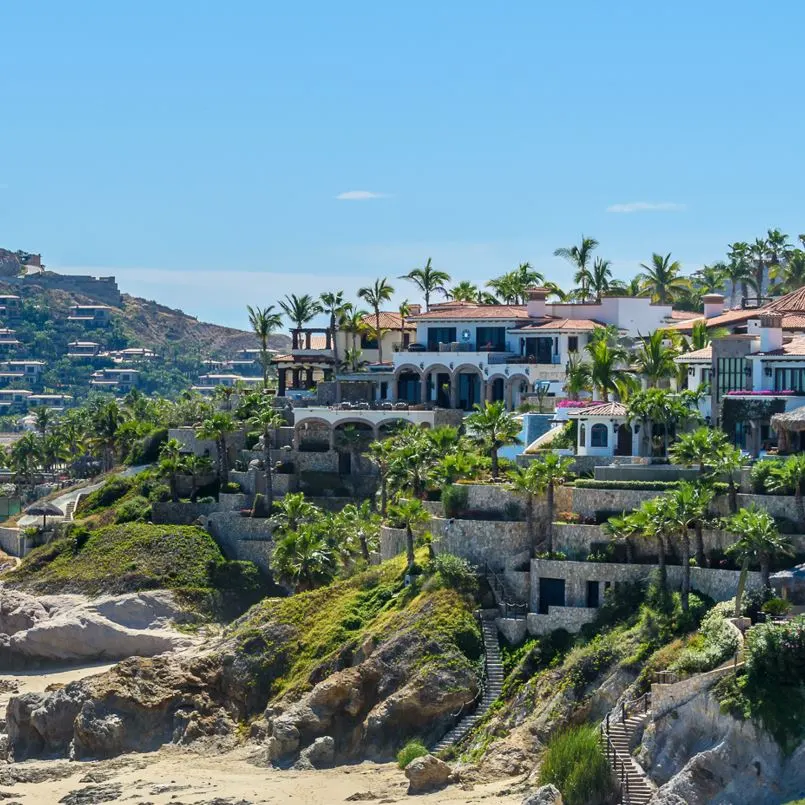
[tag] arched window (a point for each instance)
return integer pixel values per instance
(582, 434)
(599, 435)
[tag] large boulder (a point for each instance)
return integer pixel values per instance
(73, 628)
(546, 795)
(319, 755)
(427, 773)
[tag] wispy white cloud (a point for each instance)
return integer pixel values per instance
(360, 195)
(647, 206)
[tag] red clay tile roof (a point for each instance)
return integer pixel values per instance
(793, 349)
(468, 310)
(683, 315)
(793, 321)
(793, 302)
(605, 409)
(565, 324)
(389, 321)
(725, 319)
(706, 353)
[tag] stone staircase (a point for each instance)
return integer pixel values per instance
(69, 511)
(491, 690)
(617, 734)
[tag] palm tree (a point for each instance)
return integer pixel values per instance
(196, 467)
(55, 450)
(758, 541)
(300, 310)
(304, 559)
(621, 288)
(580, 257)
(711, 279)
(661, 279)
(600, 277)
(216, 428)
(383, 454)
(654, 359)
(24, 460)
(577, 377)
(727, 461)
(550, 471)
(507, 288)
(758, 252)
(429, 280)
(104, 424)
(526, 482)
(264, 321)
(494, 427)
(777, 247)
(790, 474)
(375, 295)
(689, 504)
(354, 441)
(171, 465)
(358, 523)
(623, 529)
(652, 522)
(702, 336)
(605, 359)
(267, 420)
(332, 304)
(353, 321)
(790, 275)
(292, 512)
(43, 419)
(738, 271)
(465, 291)
(409, 514)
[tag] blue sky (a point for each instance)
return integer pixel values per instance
(198, 150)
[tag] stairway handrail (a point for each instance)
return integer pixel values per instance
(616, 758)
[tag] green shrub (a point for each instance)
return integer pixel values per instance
(761, 471)
(512, 511)
(715, 643)
(640, 486)
(777, 606)
(206, 499)
(455, 572)
(146, 450)
(411, 751)
(109, 493)
(231, 488)
(136, 509)
(161, 493)
(575, 764)
(454, 500)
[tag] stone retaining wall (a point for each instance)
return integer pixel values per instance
(392, 542)
(569, 618)
(180, 513)
(232, 502)
(243, 538)
(479, 541)
(10, 540)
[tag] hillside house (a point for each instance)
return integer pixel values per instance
(10, 306)
(91, 315)
(83, 349)
(115, 379)
(8, 339)
(14, 397)
(54, 401)
(30, 370)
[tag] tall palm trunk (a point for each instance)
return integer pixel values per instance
(409, 545)
(685, 539)
(739, 593)
(549, 527)
(377, 335)
(333, 332)
(733, 496)
(364, 545)
(765, 569)
(700, 559)
(661, 562)
(223, 460)
(268, 473)
(384, 494)
(264, 359)
(529, 519)
(493, 456)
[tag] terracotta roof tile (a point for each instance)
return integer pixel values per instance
(793, 349)
(565, 324)
(467, 310)
(704, 354)
(729, 317)
(604, 409)
(389, 321)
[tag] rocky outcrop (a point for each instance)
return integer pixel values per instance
(701, 756)
(546, 795)
(72, 628)
(427, 773)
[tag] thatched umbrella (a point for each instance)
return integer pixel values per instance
(45, 510)
(787, 423)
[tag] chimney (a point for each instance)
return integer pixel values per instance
(713, 305)
(414, 309)
(771, 331)
(536, 302)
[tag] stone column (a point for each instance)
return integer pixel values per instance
(488, 384)
(454, 391)
(309, 377)
(295, 375)
(338, 391)
(508, 388)
(281, 382)
(424, 388)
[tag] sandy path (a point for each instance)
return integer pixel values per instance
(186, 776)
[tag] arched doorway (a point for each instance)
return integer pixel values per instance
(623, 446)
(409, 386)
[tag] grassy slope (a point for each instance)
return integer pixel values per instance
(123, 558)
(298, 640)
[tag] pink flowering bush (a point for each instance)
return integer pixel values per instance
(760, 393)
(573, 403)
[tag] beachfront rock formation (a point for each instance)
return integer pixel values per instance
(427, 773)
(73, 628)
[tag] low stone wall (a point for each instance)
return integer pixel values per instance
(518, 585)
(479, 541)
(665, 698)
(234, 502)
(775, 505)
(720, 585)
(642, 472)
(513, 629)
(576, 540)
(392, 542)
(180, 513)
(243, 538)
(493, 498)
(569, 618)
(10, 540)
(587, 502)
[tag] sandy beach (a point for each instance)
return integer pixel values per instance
(202, 776)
